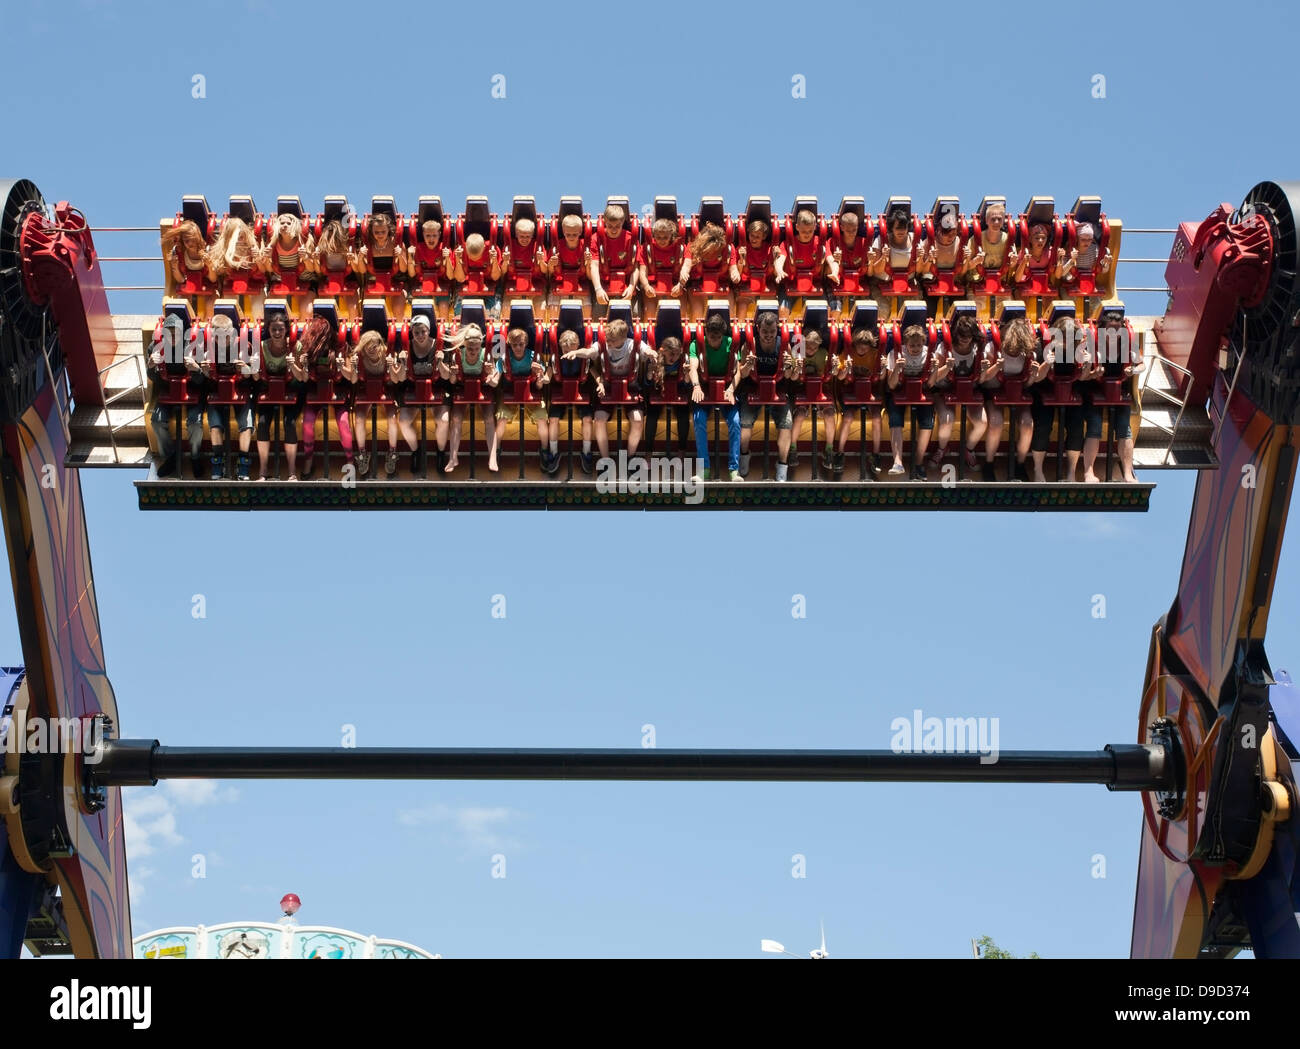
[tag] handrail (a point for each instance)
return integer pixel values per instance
(1241, 357)
(1159, 359)
(108, 401)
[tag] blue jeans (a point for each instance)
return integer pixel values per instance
(731, 416)
(160, 422)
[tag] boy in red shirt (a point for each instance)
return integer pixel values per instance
(615, 260)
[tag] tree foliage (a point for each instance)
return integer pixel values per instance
(989, 949)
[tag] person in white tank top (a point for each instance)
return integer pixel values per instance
(1012, 361)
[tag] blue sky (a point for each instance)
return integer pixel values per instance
(683, 621)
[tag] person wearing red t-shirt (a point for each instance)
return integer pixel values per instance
(570, 264)
(614, 263)
(661, 265)
(524, 266)
(847, 263)
(761, 265)
(429, 265)
(476, 267)
(807, 262)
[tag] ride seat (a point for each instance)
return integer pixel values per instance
(567, 382)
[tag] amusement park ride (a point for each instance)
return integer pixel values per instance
(1216, 738)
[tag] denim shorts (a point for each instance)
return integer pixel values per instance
(780, 414)
(922, 414)
(220, 416)
(1121, 423)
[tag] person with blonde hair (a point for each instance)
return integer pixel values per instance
(226, 357)
(374, 361)
(524, 266)
(523, 362)
(476, 268)
(913, 361)
(185, 254)
(463, 357)
(1014, 360)
(570, 264)
(234, 264)
(429, 266)
(615, 261)
(760, 263)
(333, 259)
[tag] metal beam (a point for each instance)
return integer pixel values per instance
(144, 762)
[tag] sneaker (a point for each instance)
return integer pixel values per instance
(293, 477)
(166, 467)
(218, 467)
(897, 470)
(363, 464)
(390, 464)
(589, 463)
(782, 471)
(416, 460)
(988, 472)
(734, 476)
(243, 468)
(918, 473)
(308, 464)
(969, 459)
(828, 459)
(873, 463)
(744, 464)
(837, 467)
(197, 469)
(1022, 473)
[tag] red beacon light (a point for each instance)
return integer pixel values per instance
(289, 904)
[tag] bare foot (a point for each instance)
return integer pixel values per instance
(492, 466)
(1130, 478)
(1091, 478)
(452, 463)
(1039, 477)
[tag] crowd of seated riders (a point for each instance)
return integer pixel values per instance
(959, 382)
(643, 259)
(849, 323)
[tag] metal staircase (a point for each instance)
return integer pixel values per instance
(1171, 434)
(116, 434)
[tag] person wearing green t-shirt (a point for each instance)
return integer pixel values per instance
(718, 361)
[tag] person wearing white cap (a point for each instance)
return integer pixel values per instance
(943, 252)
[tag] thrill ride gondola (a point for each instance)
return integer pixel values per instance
(1216, 737)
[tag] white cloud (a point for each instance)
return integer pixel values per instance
(149, 821)
(476, 826)
(149, 813)
(199, 791)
